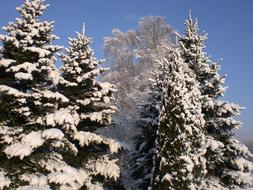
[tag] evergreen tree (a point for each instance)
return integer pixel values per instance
(27, 95)
(39, 140)
(142, 162)
(27, 62)
(227, 164)
(80, 71)
(180, 162)
(90, 99)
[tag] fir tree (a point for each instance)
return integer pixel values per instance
(26, 84)
(142, 162)
(227, 164)
(39, 136)
(90, 99)
(180, 162)
(27, 62)
(80, 71)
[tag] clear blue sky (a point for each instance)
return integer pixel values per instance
(228, 23)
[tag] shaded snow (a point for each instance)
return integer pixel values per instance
(125, 132)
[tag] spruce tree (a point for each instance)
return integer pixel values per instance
(142, 162)
(227, 164)
(26, 84)
(90, 99)
(39, 140)
(180, 162)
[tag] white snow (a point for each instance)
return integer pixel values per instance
(34, 139)
(114, 145)
(26, 66)
(23, 76)
(84, 102)
(86, 138)
(4, 181)
(94, 116)
(54, 95)
(243, 164)
(106, 99)
(35, 180)
(29, 187)
(97, 116)
(241, 177)
(213, 144)
(6, 62)
(54, 75)
(90, 74)
(53, 133)
(188, 162)
(68, 178)
(106, 87)
(61, 117)
(105, 167)
(18, 149)
(58, 144)
(42, 52)
(11, 91)
(167, 177)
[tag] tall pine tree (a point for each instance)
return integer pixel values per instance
(90, 99)
(180, 162)
(227, 164)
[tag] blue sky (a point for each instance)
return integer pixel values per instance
(228, 23)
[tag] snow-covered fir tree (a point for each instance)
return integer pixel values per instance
(142, 162)
(90, 99)
(227, 164)
(39, 139)
(180, 162)
(27, 97)
(80, 70)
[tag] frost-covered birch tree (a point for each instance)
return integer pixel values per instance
(227, 158)
(90, 99)
(180, 143)
(131, 56)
